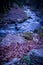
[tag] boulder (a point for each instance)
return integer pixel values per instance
(36, 56)
(14, 60)
(15, 14)
(36, 37)
(15, 46)
(11, 38)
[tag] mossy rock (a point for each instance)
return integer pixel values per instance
(41, 34)
(27, 35)
(26, 59)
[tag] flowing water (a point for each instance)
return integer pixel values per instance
(32, 23)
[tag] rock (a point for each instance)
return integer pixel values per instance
(12, 47)
(11, 38)
(27, 35)
(41, 23)
(15, 14)
(12, 62)
(35, 3)
(36, 56)
(15, 46)
(36, 37)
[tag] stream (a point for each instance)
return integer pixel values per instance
(29, 25)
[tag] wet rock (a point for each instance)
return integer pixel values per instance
(14, 60)
(36, 37)
(12, 47)
(15, 46)
(15, 14)
(36, 56)
(11, 38)
(27, 35)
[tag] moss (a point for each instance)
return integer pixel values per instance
(26, 59)
(27, 35)
(40, 34)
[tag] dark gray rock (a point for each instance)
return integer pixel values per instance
(36, 56)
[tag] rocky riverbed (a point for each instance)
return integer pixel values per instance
(17, 37)
(32, 22)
